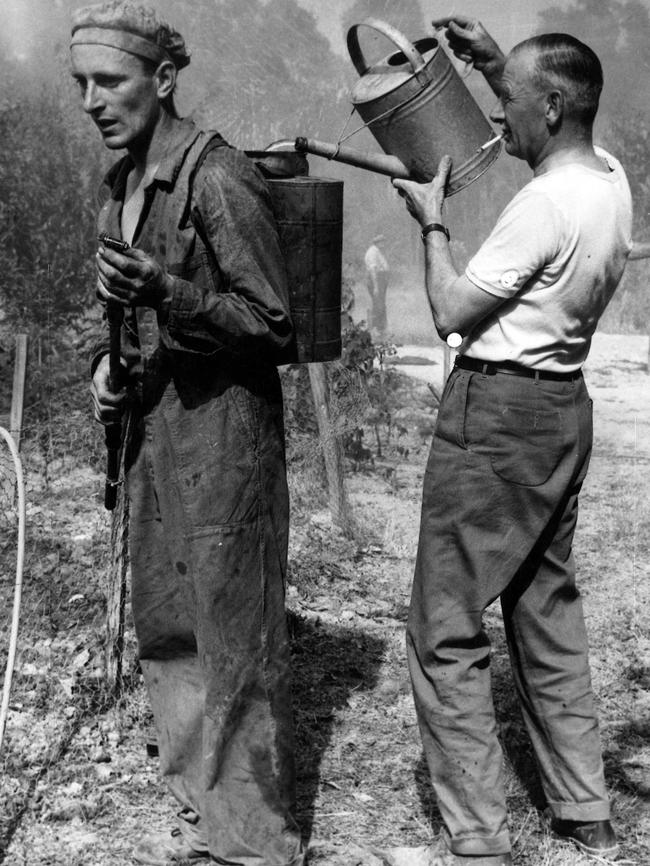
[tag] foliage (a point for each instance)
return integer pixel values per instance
(619, 33)
(46, 225)
(48, 178)
(358, 349)
(74, 770)
(260, 71)
(253, 65)
(367, 391)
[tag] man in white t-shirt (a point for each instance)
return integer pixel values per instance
(377, 271)
(510, 452)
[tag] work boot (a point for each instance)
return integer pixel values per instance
(596, 838)
(439, 854)
(168, 848)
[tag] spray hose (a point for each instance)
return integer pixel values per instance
(20, 558)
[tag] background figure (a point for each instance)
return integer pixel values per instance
(203, 290)
(377, 272)
(510, 452)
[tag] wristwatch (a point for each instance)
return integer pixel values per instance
(434, 227)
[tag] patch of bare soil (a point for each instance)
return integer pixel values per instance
(78, 786)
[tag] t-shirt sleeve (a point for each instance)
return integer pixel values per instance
(528, 236)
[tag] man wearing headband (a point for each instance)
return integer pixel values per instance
(203, 290)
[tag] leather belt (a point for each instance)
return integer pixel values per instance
(510, 368)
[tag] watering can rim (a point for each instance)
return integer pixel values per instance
(405, 45)
(393, 76)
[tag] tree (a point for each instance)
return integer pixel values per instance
(253, 63)
(48, 182)
(260, 71)
(619, 33)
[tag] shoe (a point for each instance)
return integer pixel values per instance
(596, 838)
(168, 849)
(439, 854)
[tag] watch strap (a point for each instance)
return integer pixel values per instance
(434, 227)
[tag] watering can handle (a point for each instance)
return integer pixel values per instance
(408, 49)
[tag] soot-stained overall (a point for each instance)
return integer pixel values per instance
(208, 496)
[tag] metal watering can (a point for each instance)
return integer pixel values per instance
(418, 108)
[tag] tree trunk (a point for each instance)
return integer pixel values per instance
(18, 393)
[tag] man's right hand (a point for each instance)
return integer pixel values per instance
(471, 42)
(109, 407)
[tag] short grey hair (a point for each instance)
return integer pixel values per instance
(562, 61)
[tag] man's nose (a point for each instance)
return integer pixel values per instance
(497, 115)
(91, 98)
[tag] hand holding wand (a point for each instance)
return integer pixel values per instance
(113, 432)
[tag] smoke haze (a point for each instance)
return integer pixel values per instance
(291, 76)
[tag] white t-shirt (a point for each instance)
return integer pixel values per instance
(375, 260)
(556, 254)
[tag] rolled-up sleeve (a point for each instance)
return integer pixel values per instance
(234, 296)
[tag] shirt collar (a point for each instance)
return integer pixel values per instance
(183, 137)
(181, 140)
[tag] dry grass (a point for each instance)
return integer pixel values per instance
(78, 788)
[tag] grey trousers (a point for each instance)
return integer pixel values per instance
(499, 511)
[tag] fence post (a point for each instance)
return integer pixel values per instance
(332, 452)
(18, 393)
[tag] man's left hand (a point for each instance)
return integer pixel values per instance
(132, 278)
(424, 200)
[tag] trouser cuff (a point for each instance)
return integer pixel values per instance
(190, 826)
(189, 823)
(479, 846)
(598, 810)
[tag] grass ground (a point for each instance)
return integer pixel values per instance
(78, 786)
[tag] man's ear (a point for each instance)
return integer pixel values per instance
(554, 109)
(166, 79)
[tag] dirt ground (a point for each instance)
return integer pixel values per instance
(78, 786)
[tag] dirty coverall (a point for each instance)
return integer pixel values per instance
(208, 497)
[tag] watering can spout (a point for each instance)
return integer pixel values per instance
(381, 163)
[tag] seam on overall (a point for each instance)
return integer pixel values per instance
(262, 510)
(211, 528)
(176, 485)
(247, 424)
